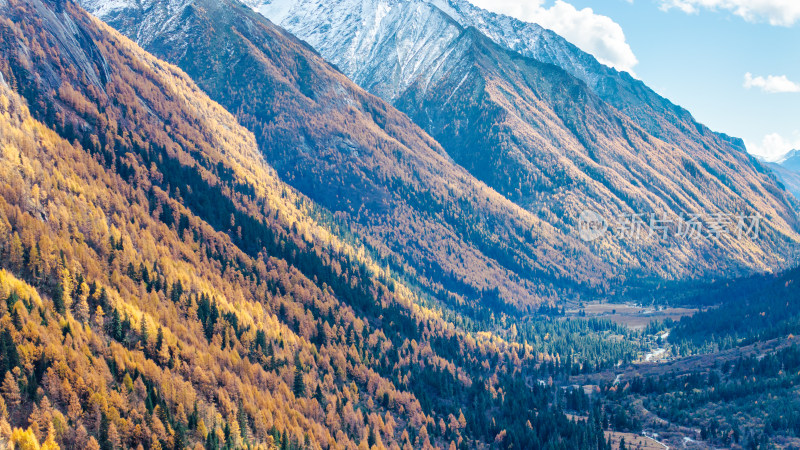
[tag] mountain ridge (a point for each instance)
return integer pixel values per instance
(421, 80)
(544, 141)
(791, 161)
(344, 148)
(624, 92)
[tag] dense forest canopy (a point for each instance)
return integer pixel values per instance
(166, 281)
(163, 288)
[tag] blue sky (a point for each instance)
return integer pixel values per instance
(696, 53)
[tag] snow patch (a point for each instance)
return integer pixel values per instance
(276, 10)
(103, 8)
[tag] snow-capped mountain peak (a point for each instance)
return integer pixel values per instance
(381, 44)
(348, 32)
(363, 38)
(791, 161)
(792, 154)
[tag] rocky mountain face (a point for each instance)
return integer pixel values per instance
(535, 132)
(655, 114)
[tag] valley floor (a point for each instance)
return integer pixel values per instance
(634, 316)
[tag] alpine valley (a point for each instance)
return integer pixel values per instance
(543, 137)
(319, 224)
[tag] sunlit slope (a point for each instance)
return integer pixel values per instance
(161, 287)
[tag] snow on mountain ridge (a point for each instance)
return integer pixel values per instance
(791, 154)
(102, 8)
(790, 161)
(351, 35)
(152, 13)
(276, 11)
(383, 45)
(348, 32)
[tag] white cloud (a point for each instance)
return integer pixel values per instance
(592, 33)
(776, 12)
(774, 84)
(773, 146)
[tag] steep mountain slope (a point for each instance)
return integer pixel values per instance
(382, 45)
(553, 143)
(655, 114)
(543, 139)
(531, 131)
(787, 169)
(380, 174)
(163, 287)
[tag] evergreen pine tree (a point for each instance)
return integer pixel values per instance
(299, 386)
